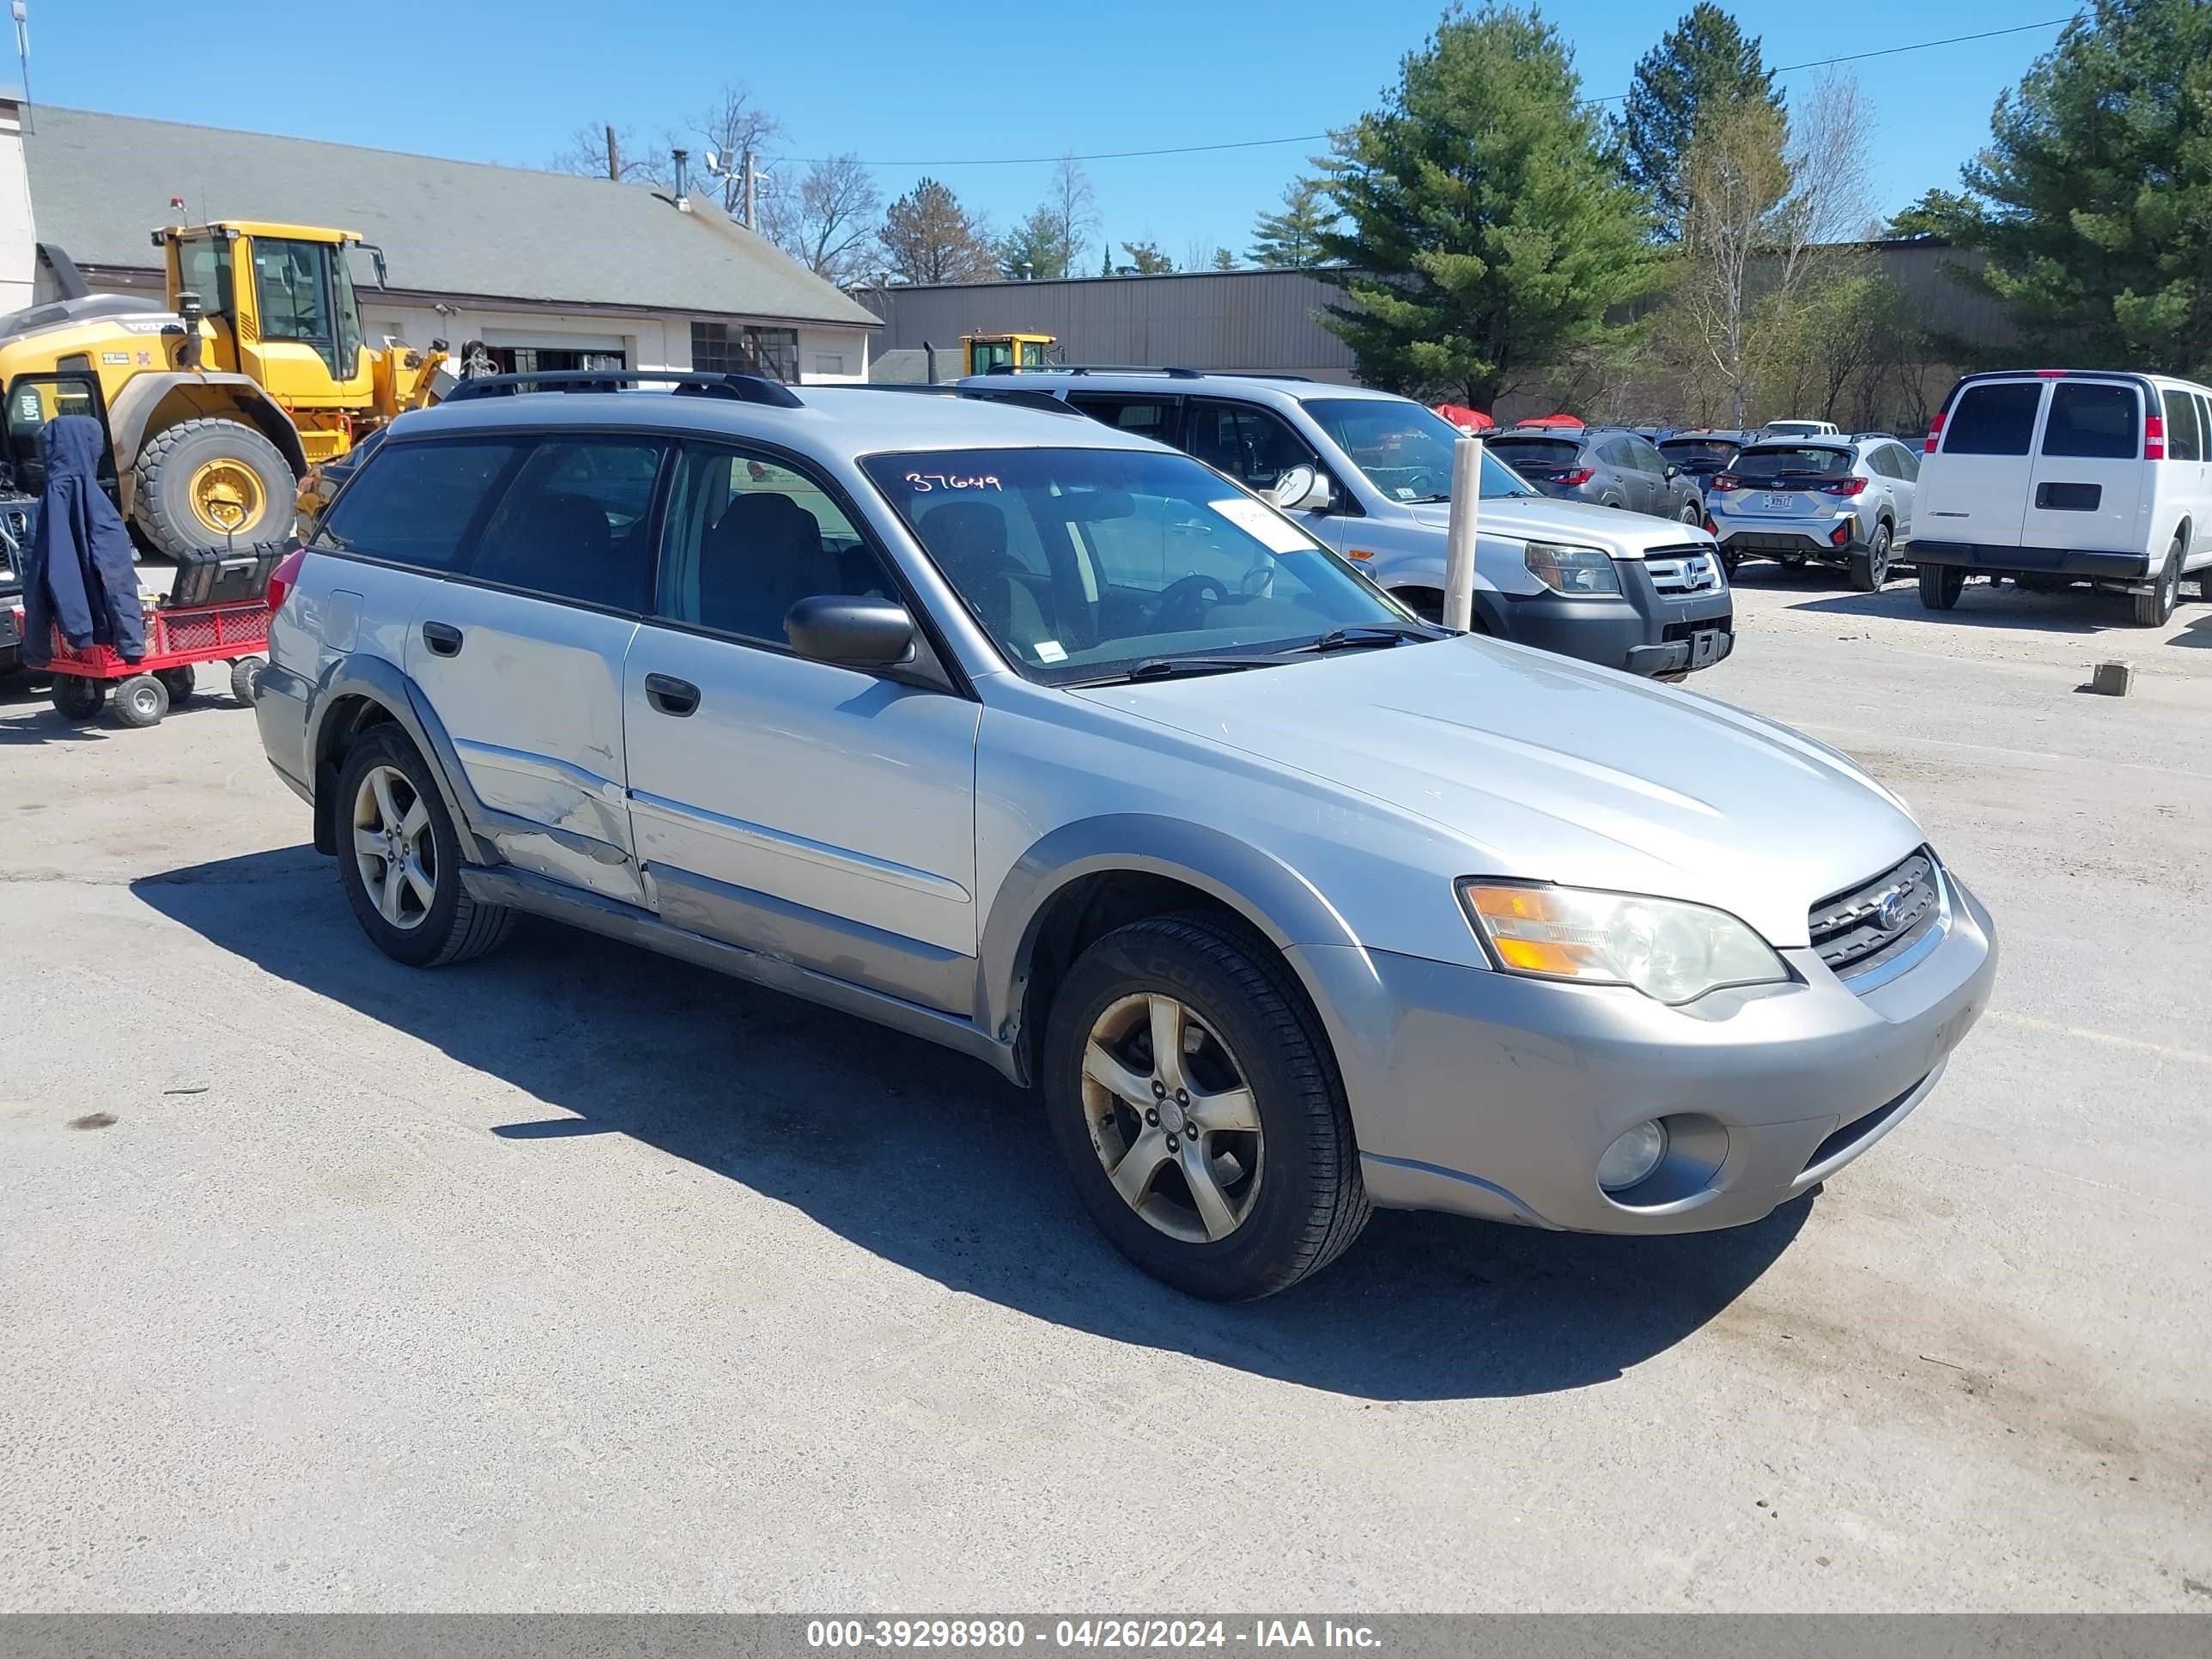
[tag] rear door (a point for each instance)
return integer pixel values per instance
(1974, 486)
(520, 651)
(2089, 471)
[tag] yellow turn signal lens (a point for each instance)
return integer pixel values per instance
(1670, 951)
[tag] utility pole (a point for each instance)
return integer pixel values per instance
(752, 167)
(614, 157)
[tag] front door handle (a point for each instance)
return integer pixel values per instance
(443, 639)
(670, 695)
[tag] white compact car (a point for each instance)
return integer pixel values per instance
(2056, 476)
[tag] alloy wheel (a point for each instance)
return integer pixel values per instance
(393, 847)
(1172, 1118)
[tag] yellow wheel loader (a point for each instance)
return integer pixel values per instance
(217, 404)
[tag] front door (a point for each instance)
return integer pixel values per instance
(823, 814)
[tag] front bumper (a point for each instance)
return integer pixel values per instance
(1492, 1096)
(2034, 561)
(1641, 631)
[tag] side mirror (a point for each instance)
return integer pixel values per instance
(1301, 489)
(853, 633)
(1673, 471)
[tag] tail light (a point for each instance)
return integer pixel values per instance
(282, 578)
(1935, 433)
(1574, 476)
(2154, 437)
(1724, 481)
(1844, 487)
(1841, 534)
(1712, 529)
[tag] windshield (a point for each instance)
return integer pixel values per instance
(1405, 449)
(1806, 461)
(1085, 564)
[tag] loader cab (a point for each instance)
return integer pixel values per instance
(991, 353)
(281, 307)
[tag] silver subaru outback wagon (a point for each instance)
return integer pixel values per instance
(1053, 745)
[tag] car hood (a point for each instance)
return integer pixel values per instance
(1624, 535)
(1552, 770)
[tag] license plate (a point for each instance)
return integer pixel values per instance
(1780, 503)
(1708, 645)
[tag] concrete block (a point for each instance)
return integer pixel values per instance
(2111, 680)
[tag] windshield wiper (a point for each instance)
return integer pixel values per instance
(1175, 668)
(1355, 639)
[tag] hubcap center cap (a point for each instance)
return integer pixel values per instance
(1172, 1117)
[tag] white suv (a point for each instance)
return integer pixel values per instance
(2056, 476)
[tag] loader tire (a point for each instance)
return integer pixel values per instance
(211, 484)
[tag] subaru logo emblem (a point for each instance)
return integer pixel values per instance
(1889, 911)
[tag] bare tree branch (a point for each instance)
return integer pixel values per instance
(827, 218)
(731, 124)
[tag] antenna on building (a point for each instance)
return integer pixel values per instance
(22, 16)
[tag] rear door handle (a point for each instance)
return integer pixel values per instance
(443, 639)
(671, 696)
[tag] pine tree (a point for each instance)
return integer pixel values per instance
(1036, 247)
(928, 237)
(2092, 203)
(1703, 64)
(1487, 231)
(1290, 239)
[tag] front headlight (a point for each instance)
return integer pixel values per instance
(1572, 570)
(1671, 952)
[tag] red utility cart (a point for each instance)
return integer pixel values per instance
(217, 612)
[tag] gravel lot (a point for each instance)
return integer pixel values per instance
(569, 1281)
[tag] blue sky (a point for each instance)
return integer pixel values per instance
(936, 88)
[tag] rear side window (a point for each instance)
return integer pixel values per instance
(415, 503)
(2181, 441)
(1879, 459)
(575, 523)
(1993, 420)
(1148, 417)
(2093, 422)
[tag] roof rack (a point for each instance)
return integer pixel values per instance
(683, 382)
(1024, 399)
(1172, 374)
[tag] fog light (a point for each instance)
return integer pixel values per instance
(1632, 1156)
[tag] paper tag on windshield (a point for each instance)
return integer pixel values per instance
(1050, 651)
(1274, 534)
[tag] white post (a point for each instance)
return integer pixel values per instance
(1459, 537)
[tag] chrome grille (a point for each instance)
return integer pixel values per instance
(1679, 572)
(1878, 921)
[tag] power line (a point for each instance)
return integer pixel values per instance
(1317, 137)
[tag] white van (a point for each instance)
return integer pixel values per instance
(2053, 476)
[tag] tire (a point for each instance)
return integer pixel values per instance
(180, 683)
(1423, 602)
(244, 678)
(449, 927)
(2156, 608)
(1290, 1197)
(174, 457)
(1731, 562)
(77, 698)
(142, 699)
(1941, 585)
(1691, 514)
(1870, 570)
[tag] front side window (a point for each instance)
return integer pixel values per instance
(1145, 556)
(1250, 444)
(1647, 459)
(415, 503)
(291, 292)
(748, 537)
(1405, 448)
(1993, 420)
(2092, 421)
(575, 524)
